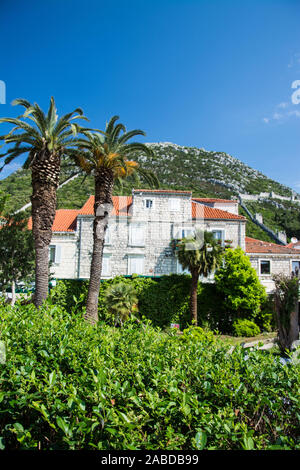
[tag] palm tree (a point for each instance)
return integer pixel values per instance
(46, 141)
(201, 254)
(286, 296)
(107, 157)
(121, 300)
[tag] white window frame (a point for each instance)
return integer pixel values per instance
(145, 203)
(259, 266)
(179, 229)
(131, 228)
(295, 261)
(106, 257)
(171, 202)
(57, 253)
(132, 256)
(107, 239)
(219, 229)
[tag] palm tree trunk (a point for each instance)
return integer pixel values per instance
(294, 326)
(13, 293)
(103, 204)
(193, 298)
(45, 180)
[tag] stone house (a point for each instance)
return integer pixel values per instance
(141, 227)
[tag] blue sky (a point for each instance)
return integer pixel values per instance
(215, 74)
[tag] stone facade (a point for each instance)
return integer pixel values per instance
(138, 240)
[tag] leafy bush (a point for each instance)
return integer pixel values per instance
(239, 285)
(242, 327)
(196, 333)
(69, 385)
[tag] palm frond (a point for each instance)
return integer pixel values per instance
(128, 135)
(111, 124)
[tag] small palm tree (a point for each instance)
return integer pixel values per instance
(286, 296)
(121, 300)
(109, 158)
(201, 254)
(46, 141)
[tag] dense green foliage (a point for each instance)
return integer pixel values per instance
(243, 327)
(16, 250)
(238, 283)
(278, 215)
(68, 385)
(164, 300)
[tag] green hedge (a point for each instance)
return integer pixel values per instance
(163, 300)
(68, 385)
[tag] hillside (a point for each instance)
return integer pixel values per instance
(207, 174)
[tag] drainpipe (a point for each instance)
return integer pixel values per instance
(79, 249)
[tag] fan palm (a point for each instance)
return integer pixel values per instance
(201, 254)
(121, 299)
(109, 158)
(46, 141)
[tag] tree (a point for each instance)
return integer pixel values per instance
(239, 285)
(46, 142)
(107, 158)
(287, 310)
(201, 254)
(16, 252)
(121, 300)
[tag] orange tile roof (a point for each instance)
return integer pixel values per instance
(121, 206)
(211, 199)
(200, 211)
(65, 220)
(171, 191)
(295, 245)
(258, 246)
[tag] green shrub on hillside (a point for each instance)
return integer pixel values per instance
(68, 385)
(243, 327)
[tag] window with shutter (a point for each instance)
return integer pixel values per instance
(137, 234)
(106, 265)
(52, 250)
(174, 204)
(107, 236)
(55, 254)
(135, 264)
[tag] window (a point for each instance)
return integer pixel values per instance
(136, 264)
(148, 203)
(183, 232)
(218, 234)
(174, 204)
(54, 254)
(296, 268)
(180, 269)
(265, 266)
(137, 234)
(107, 236)
(106, 265)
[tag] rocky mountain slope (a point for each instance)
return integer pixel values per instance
(207, 174)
